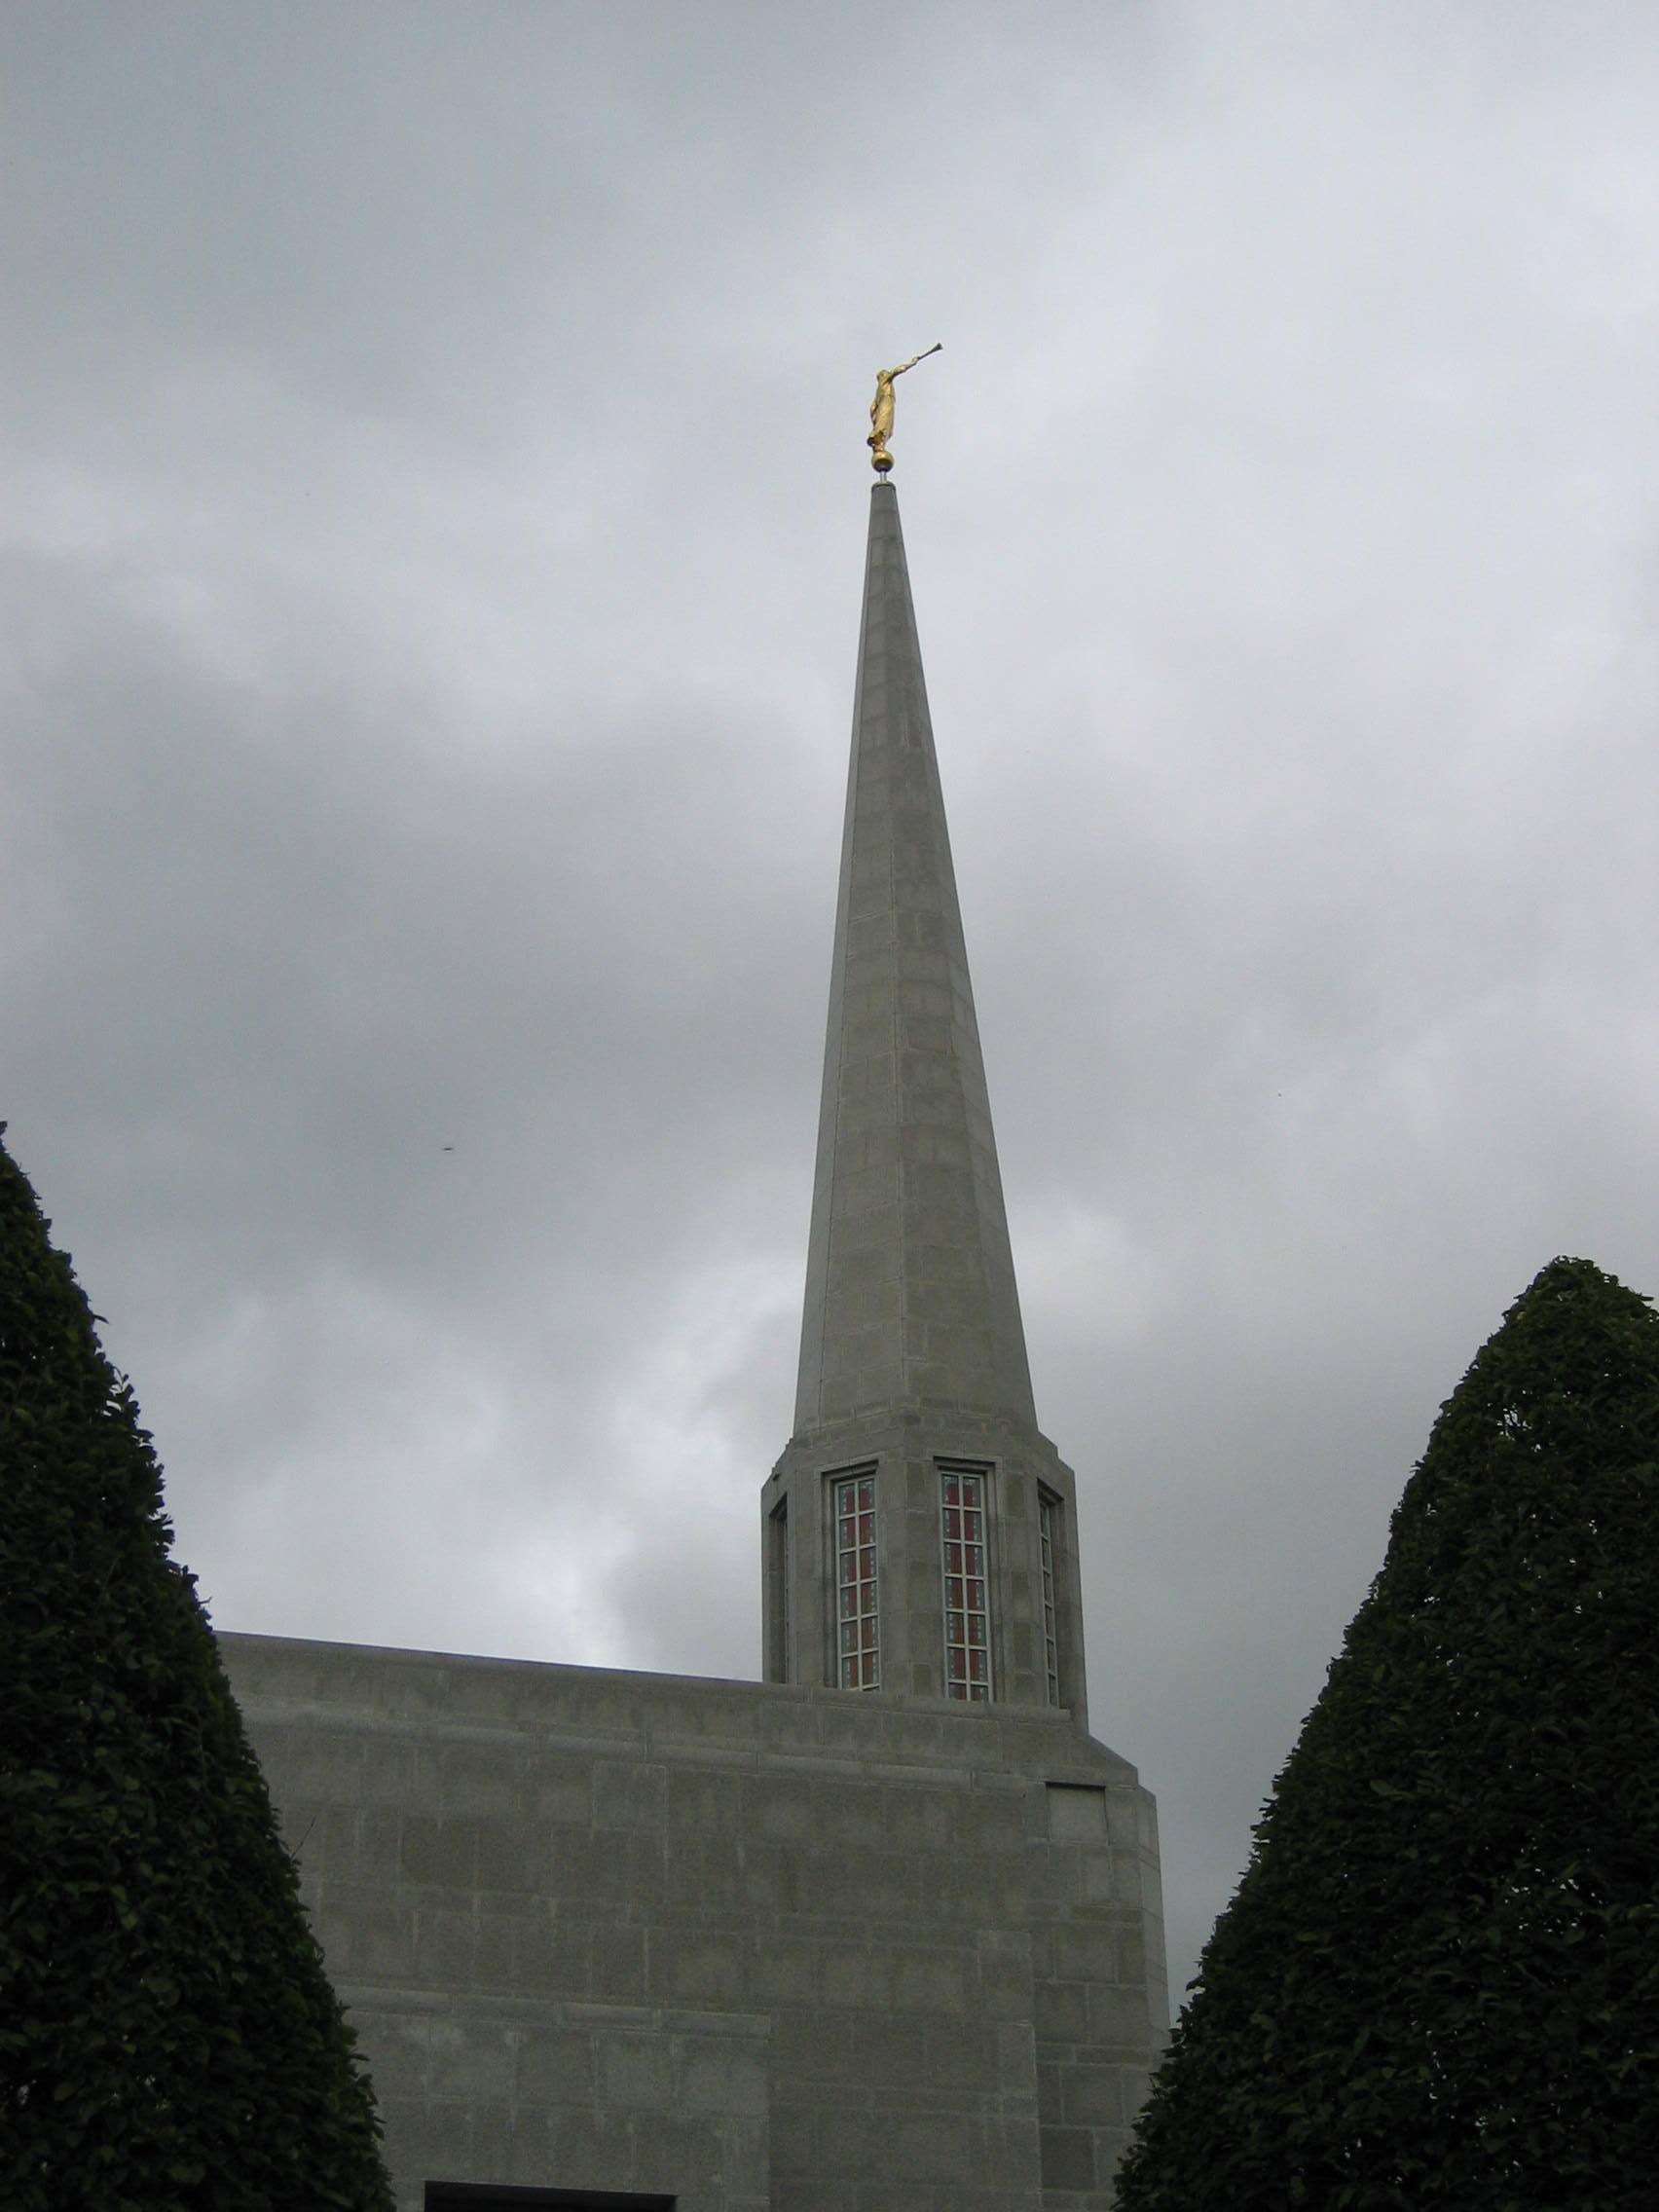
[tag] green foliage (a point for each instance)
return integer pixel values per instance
(1439, 1981)
(167, 2035)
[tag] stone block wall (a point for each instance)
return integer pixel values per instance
(762, 1948)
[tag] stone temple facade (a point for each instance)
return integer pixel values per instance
(880, 1933)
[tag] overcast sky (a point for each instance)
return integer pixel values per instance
(433, 549)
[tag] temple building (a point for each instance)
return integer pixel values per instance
(880, 1932)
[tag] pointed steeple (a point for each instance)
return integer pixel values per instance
(920, 1534)
(910, 1292)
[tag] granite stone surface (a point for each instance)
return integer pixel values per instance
(909, 1282)
(912, 1359)
(761, 1948)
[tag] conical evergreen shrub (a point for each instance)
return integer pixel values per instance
(1438, 1983)
(167, 2035)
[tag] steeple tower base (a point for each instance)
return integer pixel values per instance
(915, 1460)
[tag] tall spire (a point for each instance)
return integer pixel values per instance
(920, 1534)
(909, 1284)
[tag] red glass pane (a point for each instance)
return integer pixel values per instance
(977, 1665)
(867, 1528)
(867, 1565)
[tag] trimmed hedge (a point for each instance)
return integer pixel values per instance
(1438, 1983)
(167, 2035)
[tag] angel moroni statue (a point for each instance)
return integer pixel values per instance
(881, 411)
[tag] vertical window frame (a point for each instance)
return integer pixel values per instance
(781, 1566)
(965, 1570)
(856, 1629)
(1048, 1511)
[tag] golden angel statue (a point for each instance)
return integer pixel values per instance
(881, 411)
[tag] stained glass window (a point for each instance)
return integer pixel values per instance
(966, 1589)
(857, 1643)
(1049, 1520)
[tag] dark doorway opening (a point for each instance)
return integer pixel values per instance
(500, 2196)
